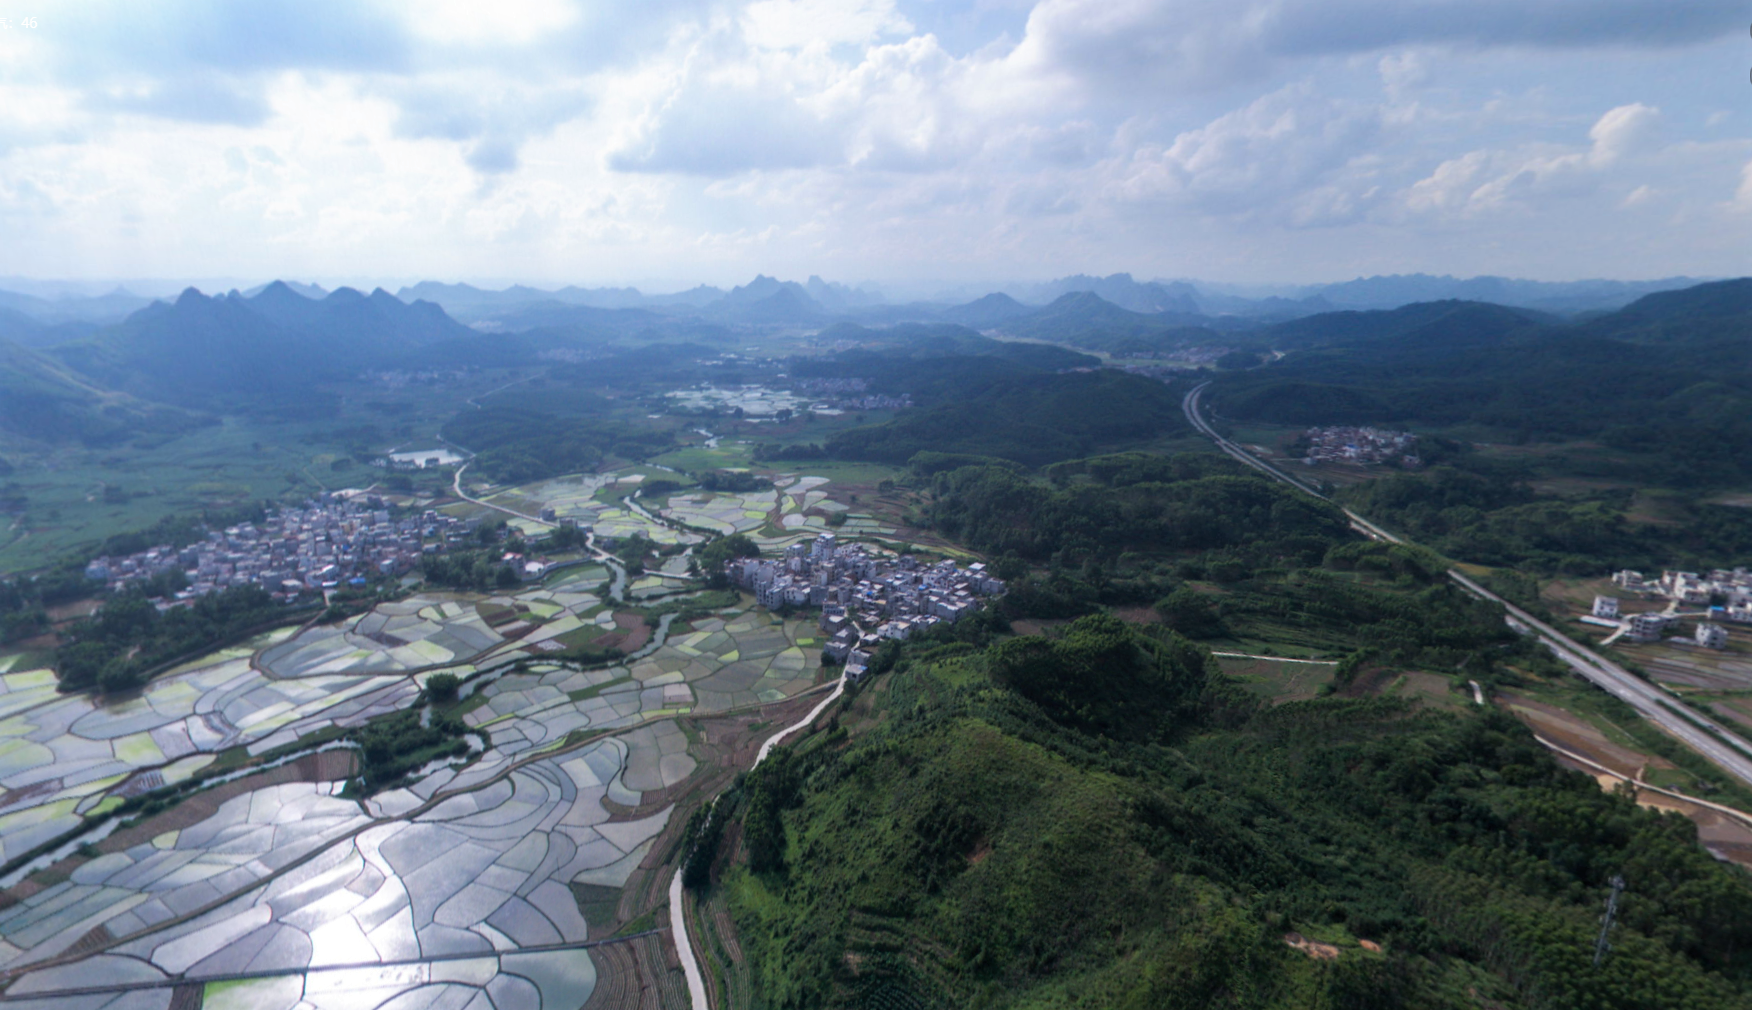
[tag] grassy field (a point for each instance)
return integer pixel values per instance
(840, 472)
(729, 455)
(1278, 680)
(737, 439)
(1250, 634)
(81, 497)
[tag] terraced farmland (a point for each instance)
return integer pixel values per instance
(279, 885)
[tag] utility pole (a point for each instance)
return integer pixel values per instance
(1602, 945)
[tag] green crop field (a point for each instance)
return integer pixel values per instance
(841, 472)
(81, 497)
(729, 456)
(1279, 680)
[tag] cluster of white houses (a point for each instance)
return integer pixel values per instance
(1730, 590)
(864, 598)
(1721, 595)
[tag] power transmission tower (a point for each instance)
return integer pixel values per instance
(1602, 945)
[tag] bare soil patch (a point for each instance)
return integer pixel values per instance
(636, 631)
(1577, 734)
(1313, 948)
(1726, 837)
(73, 611)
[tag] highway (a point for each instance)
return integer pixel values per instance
(1702, 734)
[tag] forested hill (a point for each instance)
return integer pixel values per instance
(1706, 312)
(910, 356)
(1671, 374)
(1084, 319)
(1022, 414)
(1435, 323)
(1097, 817)
(1104, 820)
(245, 352)
(43, 402)
(1032, 403)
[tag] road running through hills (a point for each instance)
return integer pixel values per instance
(1720, 745)
(690, 966)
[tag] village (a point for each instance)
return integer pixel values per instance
(331, 541)
(1720, 596)
(837, 395)
(1345, 444)
(864, 599)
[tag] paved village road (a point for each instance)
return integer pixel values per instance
(696, 983)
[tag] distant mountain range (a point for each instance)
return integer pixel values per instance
(272, 348)
(1121, 290)
(766, 301)
(1561, 297)
(109, 308)
(37, 321)
(469, 303)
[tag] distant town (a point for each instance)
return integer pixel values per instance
(864, 598)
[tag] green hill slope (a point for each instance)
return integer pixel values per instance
(41, 401)
(1013, 412)
(1105, 821)
(1433, 323)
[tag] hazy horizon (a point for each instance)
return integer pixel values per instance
(52, 288)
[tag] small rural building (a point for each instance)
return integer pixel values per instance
(1712, 636)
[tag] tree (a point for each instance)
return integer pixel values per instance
(442, 687)
(716, 554)
(771, 789)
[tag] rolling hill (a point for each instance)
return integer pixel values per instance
(42, 401)
(982, 313)
(1669, 376)
(1434, 323)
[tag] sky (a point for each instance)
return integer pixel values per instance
(904, 143)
